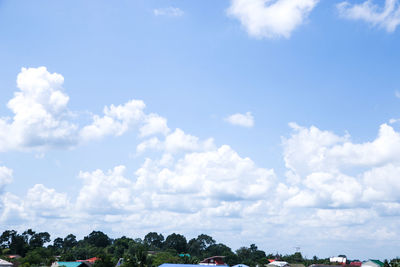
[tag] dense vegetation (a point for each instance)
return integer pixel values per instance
(153, 250)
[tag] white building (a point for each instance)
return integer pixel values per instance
(278, 264)
(4, 263)
(338, 259)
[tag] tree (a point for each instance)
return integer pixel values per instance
(69, 241)
(205, 241)
(58, 243)
(154, 240)
(97, 239)
(37, 240)
(104, 261)
(120, 246)
(164, 257)
(386, 263)
(176, 242)
(197, 246)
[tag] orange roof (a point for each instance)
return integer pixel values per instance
(91, 260)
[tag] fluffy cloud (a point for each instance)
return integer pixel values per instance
(116, 120)
(46, 201)
(154, 124)
(105, 193)
(191, 184)
(40, 113)
(217, 184)
(271, 18)
(331, 171)
(5, 177)
(218, 175)
(38, 206)
(244, 120)
(175, 142)
(42, 120)
(168, 11)
(387, 17)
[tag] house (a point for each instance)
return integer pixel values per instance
(215, 260)
(355, 263)
(178, 265)
(338, 259)
(4, 263)
(320, 265)
(372, 263)
(91, 260)
(278, 264)
(70, 264)
(240, 265)
(15, 256)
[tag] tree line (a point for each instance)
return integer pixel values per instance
(36, 249)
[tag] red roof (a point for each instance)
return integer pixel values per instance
(91, 260)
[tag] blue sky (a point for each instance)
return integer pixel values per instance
(268, 122)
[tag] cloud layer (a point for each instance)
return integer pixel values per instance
(193, 184)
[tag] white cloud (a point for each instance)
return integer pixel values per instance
(244, 120)
(175, 142)
(46, 201)
(168, 11)
(6, 177)
(387, 17)
(191, 184)
(104, 193)
(116, 120)
(331, 171)
(42, 120)
(154, 124)
(217, 175)
(271, 18)
(40, 113)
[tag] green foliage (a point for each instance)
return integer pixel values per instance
(154, 240)
(69, 241)
(165, 257)
(97, 239)
(176, 242)
(105, 261)
(152, 251)
(38, 256)
(251, 256)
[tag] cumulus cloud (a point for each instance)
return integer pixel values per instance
(271, 18)
(42, 120)
(216, 183)
(154, 124)
(191, 182)
(6, 177)
(40, 113)
(330, 171)
(36, 207)
(175, 142)
(116, 120)
(386, 17)
(238, 119)
(168, 11)
(46, 201)
(103, 193)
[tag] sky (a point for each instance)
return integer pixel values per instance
(274, 122)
